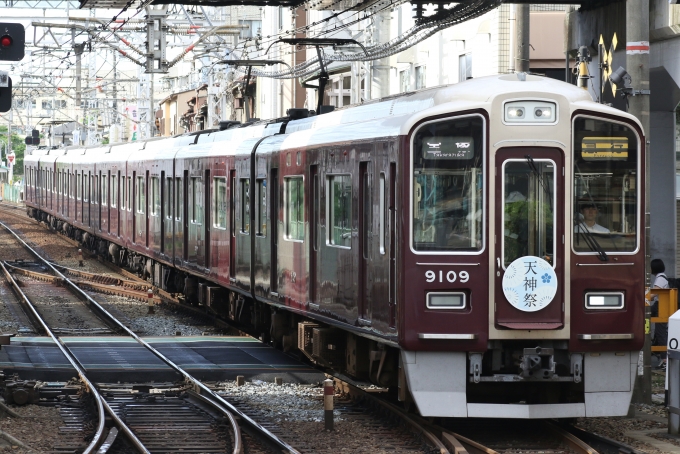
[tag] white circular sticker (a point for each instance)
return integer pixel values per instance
(530, 284)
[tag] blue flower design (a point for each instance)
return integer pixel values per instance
(546, 278)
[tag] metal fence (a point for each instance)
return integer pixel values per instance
(12, 193)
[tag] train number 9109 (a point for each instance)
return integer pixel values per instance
(449, 276)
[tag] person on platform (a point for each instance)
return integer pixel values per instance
(660, 336)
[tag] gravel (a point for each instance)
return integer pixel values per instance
(37, 428)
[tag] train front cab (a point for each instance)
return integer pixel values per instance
(512, 308)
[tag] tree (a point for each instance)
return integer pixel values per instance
(18, 146)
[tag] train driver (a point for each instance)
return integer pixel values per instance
(587, 219)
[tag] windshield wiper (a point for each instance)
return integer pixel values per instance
(590, 240)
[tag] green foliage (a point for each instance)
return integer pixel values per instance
(18, 146)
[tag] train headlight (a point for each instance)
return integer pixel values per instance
(604, 300)
(530, 112)
(446, 300)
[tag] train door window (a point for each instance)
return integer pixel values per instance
(261, 207)
(167, 202)
(447, 191)
(104, 190)
(219, 209)
(294, 208)
(155, 197)
(381, 213)
(86, 188)
(141, 196)
(245, 206)
(129, 194)
(528, 212)
(197, 200)
(606, 187)
(179, 199)
(95, 189)
(367, 212)
(79, 187)
(114, 189)
(339, 210)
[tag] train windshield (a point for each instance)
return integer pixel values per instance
(606, 191)
(448, 169)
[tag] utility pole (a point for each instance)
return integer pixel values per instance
(637, 65)
(115, 89)
(522, 28)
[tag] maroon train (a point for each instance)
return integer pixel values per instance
(476, 247)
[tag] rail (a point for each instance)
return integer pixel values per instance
(225, 407)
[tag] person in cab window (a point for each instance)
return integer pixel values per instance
(588, 219)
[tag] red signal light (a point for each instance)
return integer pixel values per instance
(6, 41)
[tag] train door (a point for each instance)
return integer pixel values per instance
(135, 189)
(365, 231)
(185, 216)
(164, 210)
(232, 224)
(529, 283)
(207, 218)
(314, 232)
(274, 230)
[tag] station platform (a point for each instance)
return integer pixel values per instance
(122, 359)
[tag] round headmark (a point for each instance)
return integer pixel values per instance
(529, 284)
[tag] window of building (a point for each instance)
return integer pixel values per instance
(254, 28)
(294, 211)
(339, 90)
(464, 67)
(420, 77)
(339, 210)
(404, 81)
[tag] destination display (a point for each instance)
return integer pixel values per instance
(446, 147)
(604, 148)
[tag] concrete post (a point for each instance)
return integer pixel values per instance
(522, 28)
(637, 65)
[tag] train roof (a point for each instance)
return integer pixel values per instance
(397, 115)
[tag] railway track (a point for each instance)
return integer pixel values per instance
(120, 404)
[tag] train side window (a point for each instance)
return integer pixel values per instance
(155, 197)
(141, 195)
(339, 210)
(105, 192)
(245, 206)
(606, 204)
(261, 207)
(219, 210)
(294, 190)
(114, 189)
(381, 214)
(179, 199)
(197, 200)
(129, 193)
(167, 202)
